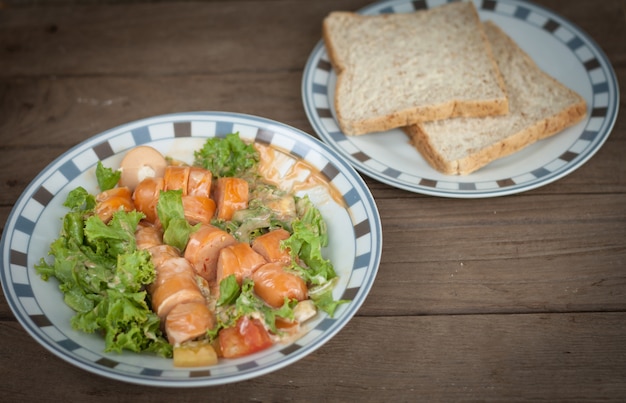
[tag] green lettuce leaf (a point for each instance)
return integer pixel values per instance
(102, 276)
(176, 229)
(80, 200)
(241, 301)
(322, 296)
(229, 290)
(248, 303)
(227, 157)
(310, 236)
(116, 237)
(107, 178)
(127, 321)
(306, 243)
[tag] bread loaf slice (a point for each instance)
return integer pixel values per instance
(397, 69)
(539, 107)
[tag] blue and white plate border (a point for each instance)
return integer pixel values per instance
(17, 270)
(602, 108)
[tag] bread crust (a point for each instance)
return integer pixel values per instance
(472, 162)
(341, 56)
(534, 129)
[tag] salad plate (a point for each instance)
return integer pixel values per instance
(354, 230)
(558, 47)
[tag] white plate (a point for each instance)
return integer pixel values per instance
(354, 232)
(557, 46)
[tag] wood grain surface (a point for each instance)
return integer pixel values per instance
(514, 298)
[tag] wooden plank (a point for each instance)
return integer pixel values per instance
(523, 254)
(62, 39)
(557, 357)
(62, 112)
(187, 38)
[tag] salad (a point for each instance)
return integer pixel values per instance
(198, 262)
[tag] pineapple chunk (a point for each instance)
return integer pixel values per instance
(194, 354)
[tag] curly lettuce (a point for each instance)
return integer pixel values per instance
(309, 237)
(227, 157)
(102, 276)
(237, 301)
(107, 178)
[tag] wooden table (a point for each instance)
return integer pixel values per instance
(511, 298)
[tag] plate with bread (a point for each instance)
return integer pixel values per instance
(465, 99)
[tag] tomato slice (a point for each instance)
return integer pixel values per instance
(246, 337)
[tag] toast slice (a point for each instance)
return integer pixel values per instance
(539, 107)
(394, 70)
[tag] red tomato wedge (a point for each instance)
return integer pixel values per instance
(246, 337)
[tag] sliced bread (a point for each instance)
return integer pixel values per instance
(539, 106)
(398, 69)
